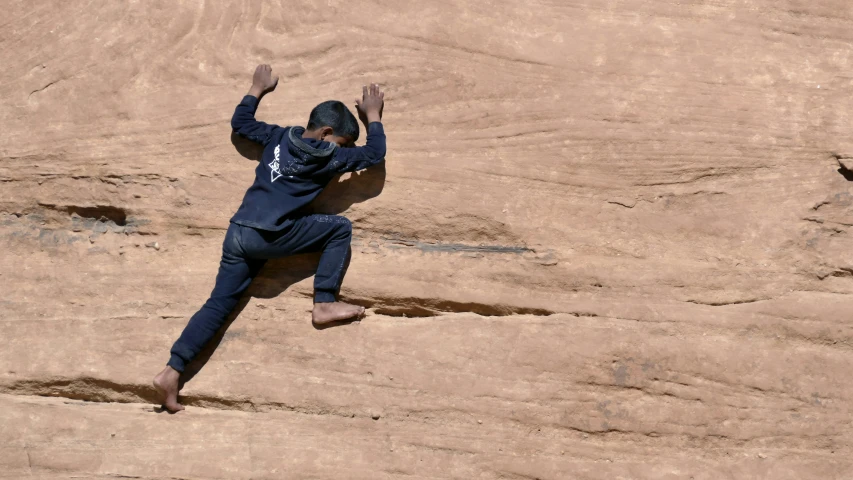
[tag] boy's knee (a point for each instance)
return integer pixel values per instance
(339, 226)
(342, 228)
(345, 226)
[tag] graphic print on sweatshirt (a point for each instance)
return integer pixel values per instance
(276, 171)
(290, 167)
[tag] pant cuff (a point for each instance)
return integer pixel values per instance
(177, 363)
(324, 297)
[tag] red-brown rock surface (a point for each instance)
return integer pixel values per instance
(622, 227)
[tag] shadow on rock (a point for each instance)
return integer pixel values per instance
(348, 189)
(247, 148)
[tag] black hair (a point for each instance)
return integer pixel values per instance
(334, 114)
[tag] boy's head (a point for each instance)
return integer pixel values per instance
(332, 122)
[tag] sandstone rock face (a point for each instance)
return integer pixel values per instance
(611, 240)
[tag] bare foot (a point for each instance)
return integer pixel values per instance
(166, 383)
(334, 312)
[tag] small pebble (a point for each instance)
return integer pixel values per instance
(480, 422)
(154, 245)
(375, 416)
(761, 455)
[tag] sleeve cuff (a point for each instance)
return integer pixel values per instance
(375, 127)
(250, 101)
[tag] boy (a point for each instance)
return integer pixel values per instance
(297, 164)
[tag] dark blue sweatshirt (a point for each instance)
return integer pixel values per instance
(294, 170)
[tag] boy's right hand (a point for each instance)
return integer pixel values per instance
(263, 81)
(371, 104)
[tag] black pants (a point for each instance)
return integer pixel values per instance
(245, 251)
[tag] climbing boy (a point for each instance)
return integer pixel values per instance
(296, 165)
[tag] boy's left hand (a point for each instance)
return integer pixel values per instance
(263, 81)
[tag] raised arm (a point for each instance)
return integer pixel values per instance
(243, 122)
(370, 109)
